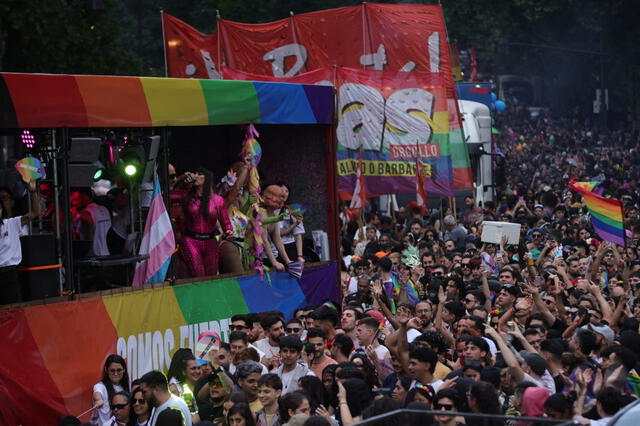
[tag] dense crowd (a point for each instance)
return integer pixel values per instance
(433, 318)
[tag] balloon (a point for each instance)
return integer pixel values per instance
(493, 97)
(500, 106)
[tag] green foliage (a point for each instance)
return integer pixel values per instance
(64, 37)
(124, 37)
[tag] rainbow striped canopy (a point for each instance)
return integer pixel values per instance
(47, 100)
(606, 213)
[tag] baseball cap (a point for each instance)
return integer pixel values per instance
(603, 330)
(536, 362)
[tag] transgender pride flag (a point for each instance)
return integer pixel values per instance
(157, 241)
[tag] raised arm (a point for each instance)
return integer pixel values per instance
(438, 322)
(507, 354)
(35, 204)
(485, 291)
(540, 305)
(607, 312)
(377, 292)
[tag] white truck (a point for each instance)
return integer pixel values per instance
(476, 124)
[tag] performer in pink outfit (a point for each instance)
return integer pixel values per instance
(202, 211)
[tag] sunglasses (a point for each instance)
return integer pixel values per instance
(439, 407)
(116, 370)
(115, 407)
(172, 176)
(436, 274)
(293, 330)
(238, 327)
(139, 401)
(536, 235)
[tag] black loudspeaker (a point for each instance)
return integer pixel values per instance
(84, 154)
(39, 250)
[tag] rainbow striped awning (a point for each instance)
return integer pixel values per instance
(47, 100)
(606, 213)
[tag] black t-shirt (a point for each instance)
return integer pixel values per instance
(210, 412)
(199, 384)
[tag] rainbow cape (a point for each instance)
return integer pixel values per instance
(411, 292)
(606, 213)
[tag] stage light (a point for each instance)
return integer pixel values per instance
(28, 139)
(130, 169)
(99, 174)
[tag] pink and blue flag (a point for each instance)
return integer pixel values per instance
(158, 242)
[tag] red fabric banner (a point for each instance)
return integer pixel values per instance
(380, 37)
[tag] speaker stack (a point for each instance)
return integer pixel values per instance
(38, 281)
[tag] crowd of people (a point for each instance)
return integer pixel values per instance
(434, 319)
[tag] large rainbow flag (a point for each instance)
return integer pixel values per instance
(62, 346)
(607, 216)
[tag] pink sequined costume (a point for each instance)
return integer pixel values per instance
(199, 247)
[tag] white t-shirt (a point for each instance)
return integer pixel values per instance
(412, 333)
(172, 402)
(546, 381)
(353, 285)
(102, 415)
(382, 352)
(492, 346)
(10, 249)
(286, 222)
(101, 219)
(265, 347)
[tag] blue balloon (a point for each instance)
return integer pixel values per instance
(500, 106)
(493, 97)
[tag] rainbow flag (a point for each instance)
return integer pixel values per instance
(606, 213)
(411, 291)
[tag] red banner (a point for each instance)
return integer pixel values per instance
(380, 37)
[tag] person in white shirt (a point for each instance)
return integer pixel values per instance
(155, 388)
(422, 364)
(11, 250)
(114, 379)
(367, 333)
(273, 327)
(291, 368)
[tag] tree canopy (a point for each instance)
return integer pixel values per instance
(562, 42)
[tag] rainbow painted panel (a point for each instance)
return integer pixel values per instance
(62, 346)
(47, 100)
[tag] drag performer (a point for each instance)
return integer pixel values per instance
(234, 189)
(202, 211)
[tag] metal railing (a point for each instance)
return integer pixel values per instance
(380, 419)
